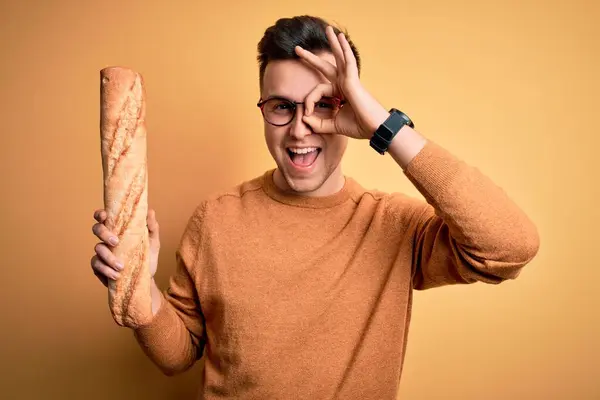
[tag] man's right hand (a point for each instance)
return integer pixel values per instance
(104, 263)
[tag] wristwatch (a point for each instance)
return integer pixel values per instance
(383, 136)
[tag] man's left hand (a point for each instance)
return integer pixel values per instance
(361, 114)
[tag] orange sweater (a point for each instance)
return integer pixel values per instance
(289, 297)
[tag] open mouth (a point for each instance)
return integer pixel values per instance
(303, 156)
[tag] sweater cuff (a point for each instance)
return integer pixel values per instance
(158, 327)
(432, 170)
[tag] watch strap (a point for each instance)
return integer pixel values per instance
(383, 136)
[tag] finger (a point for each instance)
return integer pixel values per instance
(320, 125)
(321, 65)
(351, 66)
(336, 48)
(102, 278)
(323, 89)
(100, 215)
(152, 223)
(107, 257)
(102, 270)
(102, 233)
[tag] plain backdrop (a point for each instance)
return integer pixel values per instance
(509, 86)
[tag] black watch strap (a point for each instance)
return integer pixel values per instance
(383, 136)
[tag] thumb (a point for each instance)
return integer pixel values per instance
(319, 125)
(152, 224)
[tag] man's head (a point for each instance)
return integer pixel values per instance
(307, 163)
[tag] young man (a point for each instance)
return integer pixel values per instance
(298, 283)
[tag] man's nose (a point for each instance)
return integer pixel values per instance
(299, 129)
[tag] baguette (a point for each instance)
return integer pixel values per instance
(125, 175)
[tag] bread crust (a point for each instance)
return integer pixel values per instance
(125, 183)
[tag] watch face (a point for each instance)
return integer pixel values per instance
(404, 120)
(407, 121)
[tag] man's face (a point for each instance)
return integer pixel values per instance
(307, 162)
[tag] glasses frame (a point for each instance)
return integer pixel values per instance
(339, 103)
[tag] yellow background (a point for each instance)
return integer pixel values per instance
(510, 86)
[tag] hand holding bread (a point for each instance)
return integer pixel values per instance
(104, 263)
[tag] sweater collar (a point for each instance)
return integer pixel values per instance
(298, 200)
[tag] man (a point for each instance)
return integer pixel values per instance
(298, 284)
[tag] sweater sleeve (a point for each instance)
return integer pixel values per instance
(469, 230)
(174, 339)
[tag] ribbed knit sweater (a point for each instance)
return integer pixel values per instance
(292, 297)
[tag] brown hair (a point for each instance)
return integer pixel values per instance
(280, 40)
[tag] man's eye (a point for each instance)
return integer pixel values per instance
(282, 106)
(322, 104)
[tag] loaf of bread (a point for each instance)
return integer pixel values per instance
(125, 173)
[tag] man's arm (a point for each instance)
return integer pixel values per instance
(470, 230)
(175, 337)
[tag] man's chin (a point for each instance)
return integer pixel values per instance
(307, 181)
(305, 186)
(315, 184)
(303, 183)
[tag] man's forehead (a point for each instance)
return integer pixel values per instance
(292, 78)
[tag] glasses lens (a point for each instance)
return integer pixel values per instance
(326, 107)
(281, 111)
(278, 111)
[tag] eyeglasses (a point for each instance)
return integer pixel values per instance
(279, 111)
